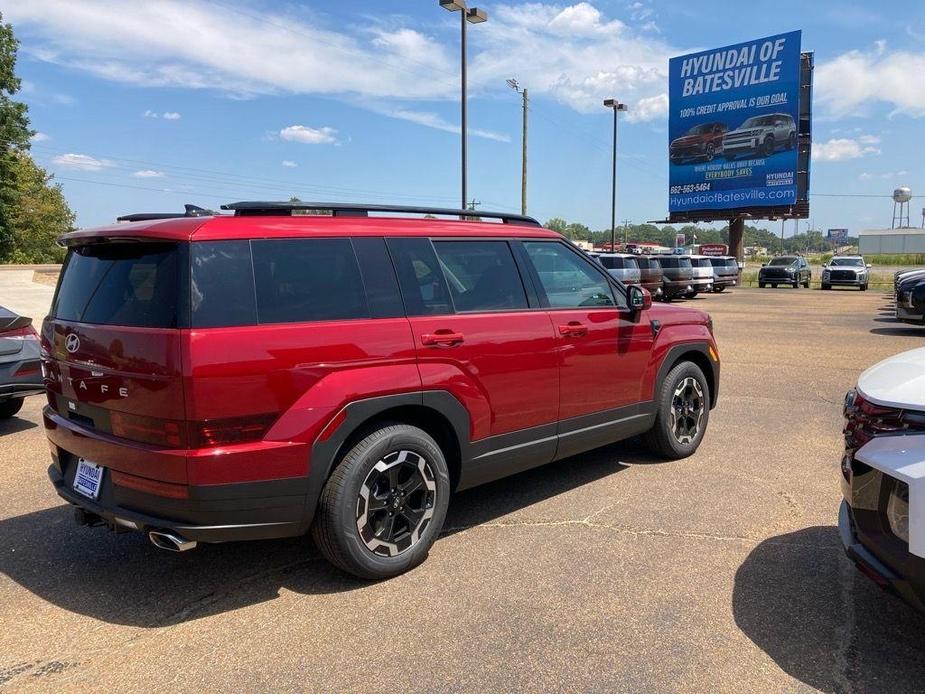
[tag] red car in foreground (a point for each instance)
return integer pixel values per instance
(215, 378)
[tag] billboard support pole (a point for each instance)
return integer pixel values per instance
(736, 237)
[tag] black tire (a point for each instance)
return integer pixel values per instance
(863, 287)
(662, 438)
(806, 284)
(690, 295)
(711, 151)
(773, 286)
(8, 408)
(768, 146)
(761, 285)
(336, 527)
(826, 286)
(717, 290)
(796, 285)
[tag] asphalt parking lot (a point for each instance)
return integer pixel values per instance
(606, 572)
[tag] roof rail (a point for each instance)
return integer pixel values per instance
(340, 209)
(190, 211)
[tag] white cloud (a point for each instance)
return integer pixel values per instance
(434, 120)
(651, 108)
(39, 137)
(172, 115)
(288, 164)
(148, 173)
(149, 114)
(309, 136)
(864, 176)
(82, 162)
(839, 148)
(572, 52)
(857, 80)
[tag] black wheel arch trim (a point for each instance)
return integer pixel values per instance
(677, 352)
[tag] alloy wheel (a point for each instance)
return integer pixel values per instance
(687, 408)
(396, 503)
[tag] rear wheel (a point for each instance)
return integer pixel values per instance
(8, 408)
(773, 286)
(718, 289)
(769, 146)
(384, 504)
(806, 283)
(761, 285)
(683, 412)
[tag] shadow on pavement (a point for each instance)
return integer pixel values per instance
(123, 579)
(14, 425)
(799, 599)
(910, 331)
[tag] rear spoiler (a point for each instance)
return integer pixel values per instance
(189, 211)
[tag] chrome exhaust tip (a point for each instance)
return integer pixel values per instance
(164, 539)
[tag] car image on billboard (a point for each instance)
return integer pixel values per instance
(733, 134)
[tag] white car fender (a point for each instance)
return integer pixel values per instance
(902, 457)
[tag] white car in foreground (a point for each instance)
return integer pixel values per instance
(882, 518)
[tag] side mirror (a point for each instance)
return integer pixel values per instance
(640, 298)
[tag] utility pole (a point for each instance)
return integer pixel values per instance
(782, 222)
(512, 83)
(617, 107)
(626, 230)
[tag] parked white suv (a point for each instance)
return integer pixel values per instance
(882, 517)
(703, 275)
(762, 135)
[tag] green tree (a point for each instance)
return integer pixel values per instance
(14, 134)
(40, 215)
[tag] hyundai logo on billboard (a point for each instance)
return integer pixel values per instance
(733, 125)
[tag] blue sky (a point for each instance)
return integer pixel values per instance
(142, 107)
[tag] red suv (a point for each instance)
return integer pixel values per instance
(215, 378)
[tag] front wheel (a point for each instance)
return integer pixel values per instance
(864, 287)
(769, 146)
(8, 408)
(384, 504)
(806, 284)
(796, 284)
(718, 289)
(761, 285)
(683, 412)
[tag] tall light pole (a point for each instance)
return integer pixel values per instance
(472, 15)
(523, 158)
(617, 107)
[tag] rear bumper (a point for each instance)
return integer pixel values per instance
(729, 281)
(247, 511)
(908, 588)
(674, 288)
(907, 315)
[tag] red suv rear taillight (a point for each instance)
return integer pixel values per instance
(159, 432)
(224, 432)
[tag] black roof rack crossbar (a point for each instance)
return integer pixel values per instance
(340, 209)
(190, 211)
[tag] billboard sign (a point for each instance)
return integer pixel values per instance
(838, 234)
(715, 249)
(733, 126)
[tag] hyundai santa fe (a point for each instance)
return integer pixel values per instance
(271, 373)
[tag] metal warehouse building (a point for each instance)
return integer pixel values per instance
(874, 241)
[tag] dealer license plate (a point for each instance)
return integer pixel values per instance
(88, 479)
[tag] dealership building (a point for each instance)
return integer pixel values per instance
(882, 241)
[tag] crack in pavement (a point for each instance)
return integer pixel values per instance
(650, 532)
(845, 652)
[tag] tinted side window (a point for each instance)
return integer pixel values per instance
(567, 280)
(481, 275)
(611, 263)
(222, 284)
(423, 286)
(307, 280)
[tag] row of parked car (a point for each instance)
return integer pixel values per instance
(909, 289)
(669, 277)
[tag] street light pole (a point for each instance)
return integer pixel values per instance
(473, 16)
(617, 107)
(523, 157)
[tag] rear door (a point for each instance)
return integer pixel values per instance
(476, 333)
(603, 350)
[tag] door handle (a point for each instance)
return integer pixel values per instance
(573, 329)
(441, 337)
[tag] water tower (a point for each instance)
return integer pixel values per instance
(901, 198)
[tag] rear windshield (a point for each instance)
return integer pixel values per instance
(672, 261)
(132, 284)
(704, 262)
(612, 263)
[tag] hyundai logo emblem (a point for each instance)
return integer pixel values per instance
(72, 343)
